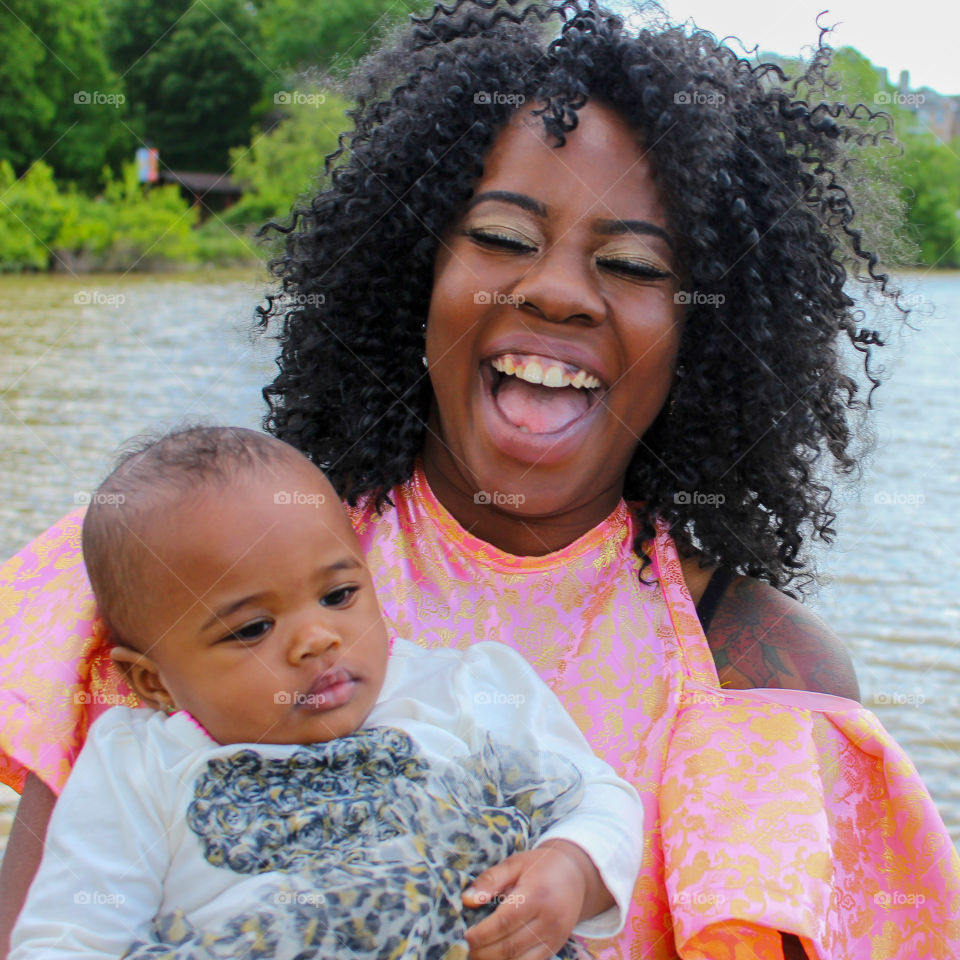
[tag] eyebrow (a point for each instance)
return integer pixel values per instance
(606, 227)
(347, 563)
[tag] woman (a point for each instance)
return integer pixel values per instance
(622, 260)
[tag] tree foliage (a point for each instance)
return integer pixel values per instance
(61, 101)
(332, 34)
(287, 162)
(85, 82)
(926, 174)
(193, 73)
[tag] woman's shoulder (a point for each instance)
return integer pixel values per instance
(760, 637)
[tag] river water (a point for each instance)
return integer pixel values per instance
(86, 363)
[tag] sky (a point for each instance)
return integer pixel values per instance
(922, 36)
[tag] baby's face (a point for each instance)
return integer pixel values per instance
(260, 617)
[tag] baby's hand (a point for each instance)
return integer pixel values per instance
(544, 893)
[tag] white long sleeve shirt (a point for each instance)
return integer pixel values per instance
(162, 835)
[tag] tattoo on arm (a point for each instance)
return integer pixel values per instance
(762, 638)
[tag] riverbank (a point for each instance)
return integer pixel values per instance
(46, 228)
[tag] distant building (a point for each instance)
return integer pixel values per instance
(211, 192)
(935, 113)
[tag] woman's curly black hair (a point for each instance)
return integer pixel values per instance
(756, 183)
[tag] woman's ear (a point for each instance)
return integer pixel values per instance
(144, 677)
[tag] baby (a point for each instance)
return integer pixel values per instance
(306, 786)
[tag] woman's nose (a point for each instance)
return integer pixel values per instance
(312, 638)
(561, 286)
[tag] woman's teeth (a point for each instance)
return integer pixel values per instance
(548, 374)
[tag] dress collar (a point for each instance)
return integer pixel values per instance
(611, 535)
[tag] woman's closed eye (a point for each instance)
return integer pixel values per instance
(340, 597)
(504, 241)
(631, 268)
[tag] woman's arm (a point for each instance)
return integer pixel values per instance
(760, 637)
(100, 879)
(22, 856)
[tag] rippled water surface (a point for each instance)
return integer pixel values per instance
(86, 363)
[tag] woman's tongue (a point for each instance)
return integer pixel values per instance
(540, 409)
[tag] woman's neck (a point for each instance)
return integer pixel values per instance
(514, 533)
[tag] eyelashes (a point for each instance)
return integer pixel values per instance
(250, 632)
(499, 240)
(339, 597)
(639, 271)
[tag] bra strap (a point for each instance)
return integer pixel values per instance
(720, 579)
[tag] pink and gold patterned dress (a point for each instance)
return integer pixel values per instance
(766, 810)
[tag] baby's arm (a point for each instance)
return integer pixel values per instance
(580, 877)
(100, 880)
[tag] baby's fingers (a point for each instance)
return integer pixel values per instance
(509, 933)
(493, 882)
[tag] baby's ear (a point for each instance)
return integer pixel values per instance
(143, 675)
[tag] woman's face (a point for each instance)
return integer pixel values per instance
(560, 271)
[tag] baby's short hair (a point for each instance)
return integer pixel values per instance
(152, 472)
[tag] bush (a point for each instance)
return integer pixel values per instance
(286, 163)
(150, 227)
(30, 217)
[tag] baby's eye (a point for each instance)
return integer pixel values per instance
(250, 632)
(339, 597)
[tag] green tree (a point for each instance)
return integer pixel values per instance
(61, 101)
(929, 173)
(331, 34)
(287, 162)
(194, 73)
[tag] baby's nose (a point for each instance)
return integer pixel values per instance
(313, 639)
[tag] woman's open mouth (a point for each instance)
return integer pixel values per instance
(541, 395)
(540, 400)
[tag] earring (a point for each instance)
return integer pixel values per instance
(169, 708)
